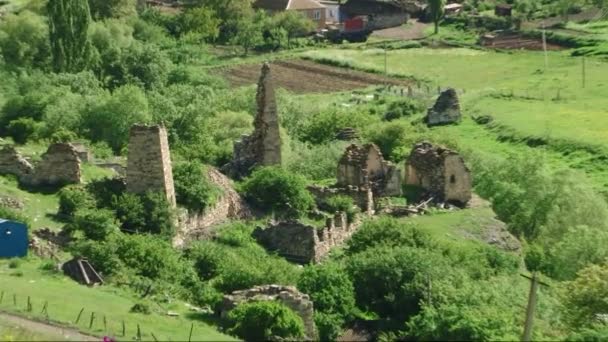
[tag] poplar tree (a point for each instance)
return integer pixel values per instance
(68, 27)
(436, 11)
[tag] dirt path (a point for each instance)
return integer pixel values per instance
(414, 30)
(46, 330)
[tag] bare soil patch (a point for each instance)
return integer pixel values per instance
(300, 76)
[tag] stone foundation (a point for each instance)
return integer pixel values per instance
(288, 295)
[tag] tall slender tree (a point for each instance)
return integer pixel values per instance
(68, 31)
(436, 11)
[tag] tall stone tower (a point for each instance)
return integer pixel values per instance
(149, 161)
(263, 146)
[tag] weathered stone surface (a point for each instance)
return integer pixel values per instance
(440, 171)
(12, 163)
(288, 295)
(446, 110)
(363, 196)
(230, 206)
(304, 243)
(60, 165)
(149, 165)
(84, 153)
(263, 146)
(364, 166)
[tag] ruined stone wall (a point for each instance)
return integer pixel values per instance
(440, 171)
(263, 146)
(305, 243)
(59, 165)
(446, 109)
(149, 165)
(229, 206)
(12, 163)
(363, 197)
(288, 295)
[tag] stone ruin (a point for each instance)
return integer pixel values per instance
(362, 166)
(287, 295)
(441, 172)
(445, 111)
(230, 206)
(263, 146)
(60, 165)
(149, 161)
(362, 196)
(84, 153)
(303, 243)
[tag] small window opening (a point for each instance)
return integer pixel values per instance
(452, 179)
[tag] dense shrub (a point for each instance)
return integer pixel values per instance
(389, 232)
(22, 130)
(129, 210)
(24, 40)
(192, 187)
(272, 188)
(343, 204)
(315, 162)
(402, 108)
(261, 321)
(105, 190)
(73, 198)
(94, 224)
(141, 308)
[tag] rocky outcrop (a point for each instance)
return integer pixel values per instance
(263, 146)
(60, 165)
(229, 206)
(441, 172)
(12, 163)
(288, 295)
(149, 165)
(363, 166)
(303, 243)
(446, 110)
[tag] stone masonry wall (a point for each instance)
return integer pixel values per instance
(363, 197)
(446, 110)
(302, 243)
(288, 295)
(440, 171)
(263, 146)
(149, 161)
(59, 165)
(12, 163)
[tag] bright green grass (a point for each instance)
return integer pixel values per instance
(12, 333)
(580, 116)
(66, 298)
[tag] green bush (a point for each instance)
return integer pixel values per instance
(402, 108)
(265, 320)
(73, 198)
(388, 231)
(129, 210)
(274, 189)
(192, 187)
(95, 224)
(14, 263)
(22, 130)
(105, 190)
(343, 204)
(141, 308)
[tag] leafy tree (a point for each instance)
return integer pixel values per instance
(24, 40)
(264, 320)
(586, 296)
(272, 188)
(21, 130)
(129, 210)
(192, 188)
(249, 35)
(436, 11)
(101, 9)
(68, 29)
(294, 23)
(95, 224)
(332, 291)
(388, 232)
(72, 198)
(230, 13)
(200, 21)
(343, 204)
(159, 215)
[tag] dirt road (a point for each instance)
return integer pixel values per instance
(46, 330)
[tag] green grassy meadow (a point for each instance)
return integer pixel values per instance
(66, 298)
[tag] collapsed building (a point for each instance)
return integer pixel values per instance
(263, 146)
(59, 165)
(446, 109)
(441, 172)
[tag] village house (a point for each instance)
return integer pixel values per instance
(380, 14)
(310, 8)
(332, 11)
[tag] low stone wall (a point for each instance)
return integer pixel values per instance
(288, 295)
(303, 243)
(12, 163)
(362, 196)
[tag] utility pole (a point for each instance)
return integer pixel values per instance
(527, 336)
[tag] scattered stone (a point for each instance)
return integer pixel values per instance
(446, 110)
(441, 172)
(11, 203)
(263, 146)
(149, 161)
(288, 295)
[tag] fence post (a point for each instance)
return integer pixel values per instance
(79, 314)
(154, 337)
(44, 308)
(29, 304)
(123, 328)
(138, 333)
(105, 324)
(92, 319)
(1, 297)
(191, 328)
(14, 299)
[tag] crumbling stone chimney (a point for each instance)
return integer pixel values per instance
(263, 146)
(446, 110)
(441, 172)
(149, 161)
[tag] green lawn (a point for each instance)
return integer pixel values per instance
(66, 298)
(9, 332)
